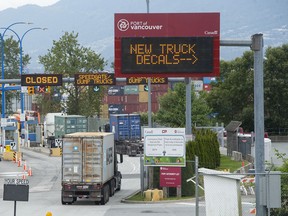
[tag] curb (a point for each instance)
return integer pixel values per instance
(125, 200)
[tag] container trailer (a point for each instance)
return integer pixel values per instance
(89, 167)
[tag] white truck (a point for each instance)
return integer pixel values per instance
(49, 128)
(89, 167)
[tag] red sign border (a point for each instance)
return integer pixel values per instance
(204, 24)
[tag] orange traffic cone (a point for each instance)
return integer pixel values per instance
(19, 162)
(24, 176)
(243, 164)
(25, 166)
(253, 211)
(30, 172)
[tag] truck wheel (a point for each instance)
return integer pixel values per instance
(105, 194)
(112, 187)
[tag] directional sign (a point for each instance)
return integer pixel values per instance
(41, 80)
(167, 44)
(144, 80)
(96, 88)
(58, 142)
(93, 79)
(13, 145)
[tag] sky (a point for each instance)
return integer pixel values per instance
(4, 4)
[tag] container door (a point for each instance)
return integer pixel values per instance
(92, 160)
(72, 160)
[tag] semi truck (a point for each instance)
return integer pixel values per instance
(89, 167)
(127, 133)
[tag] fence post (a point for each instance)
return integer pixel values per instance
(196, 187)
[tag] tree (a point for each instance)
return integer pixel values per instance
(12, 68)
(67, 57)
(173, 108)
(276, 87)
(232, 95)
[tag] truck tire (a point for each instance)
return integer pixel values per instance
(105, 194)
(112, 187)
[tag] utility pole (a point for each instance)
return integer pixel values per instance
(257, 47)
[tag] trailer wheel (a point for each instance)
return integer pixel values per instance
(105, 192)
(112, 188)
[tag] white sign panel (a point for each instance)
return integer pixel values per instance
(164, 146)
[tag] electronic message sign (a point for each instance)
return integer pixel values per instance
(167, 55)
(41, 80)
(167, 45)
(84, 79)
(144, 80)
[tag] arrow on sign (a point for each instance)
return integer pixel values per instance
(96, 88)
(12, 144)
(58, 142)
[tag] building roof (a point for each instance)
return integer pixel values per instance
(233, 125)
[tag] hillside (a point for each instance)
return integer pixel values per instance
(94, 21)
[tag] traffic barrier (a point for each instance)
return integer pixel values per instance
(25, 166)
(14, 157)
(30, 172)
(19, 162)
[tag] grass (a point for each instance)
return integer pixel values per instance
(225, 164)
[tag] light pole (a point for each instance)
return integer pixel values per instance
(2, 77)
(20, 40)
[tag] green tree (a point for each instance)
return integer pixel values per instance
(173, 108)
(68, 57)
(12, 68)
(276, 87)
(232, 95)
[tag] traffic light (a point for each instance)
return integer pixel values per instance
(30, 90)
(146, 88)
(44, 89)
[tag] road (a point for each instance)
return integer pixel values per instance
(45, 193)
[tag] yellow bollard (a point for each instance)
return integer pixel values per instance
(49, 214)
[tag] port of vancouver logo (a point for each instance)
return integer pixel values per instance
(123, 25)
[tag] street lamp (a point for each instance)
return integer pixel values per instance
(2, 77)
(21, 57)
(2, 64)
(20, 40)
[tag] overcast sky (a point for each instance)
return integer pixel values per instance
(4, 4)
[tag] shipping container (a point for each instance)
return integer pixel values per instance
(207, 87)
(126, 126)
(131, 108)
(115, 90)
(130, 99)
(159, 87)
(70, 124)
(208, 80)
(143, 107)
(115, 99)
(115, 108)
(131, 89)
(143, 96)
